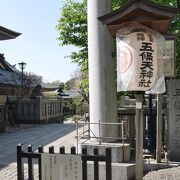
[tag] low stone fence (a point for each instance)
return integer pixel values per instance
(39, 110)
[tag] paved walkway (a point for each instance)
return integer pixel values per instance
(47, 135)
(9, 172)
(164, 174)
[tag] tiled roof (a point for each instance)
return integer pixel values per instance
(71, 93)
(49, 86)
(9, 75)
(61, 92)
(9, 78)
(7, 33)
(6, 66)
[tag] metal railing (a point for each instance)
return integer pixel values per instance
(86, 133)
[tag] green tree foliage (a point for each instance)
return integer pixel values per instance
(72, 27)
(62, 84)
(69, 84)
(174, 29)
(79, 82)
(80, 104)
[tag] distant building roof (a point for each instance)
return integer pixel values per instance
(48, 87)
(61, 92)
(6, 66)
(6, 34)
(10, 76)
(71, 94)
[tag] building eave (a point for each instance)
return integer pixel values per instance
(6, 34)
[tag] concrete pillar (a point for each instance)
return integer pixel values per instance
(102, 84)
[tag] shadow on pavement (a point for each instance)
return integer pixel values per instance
(36, 135)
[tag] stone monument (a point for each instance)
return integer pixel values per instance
(174, 120)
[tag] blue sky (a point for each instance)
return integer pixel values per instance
(37, 46)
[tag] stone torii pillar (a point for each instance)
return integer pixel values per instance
(102, 84)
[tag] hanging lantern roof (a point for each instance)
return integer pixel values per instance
(150, 14)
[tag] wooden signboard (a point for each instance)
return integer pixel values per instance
(61, 167)
(169, 58)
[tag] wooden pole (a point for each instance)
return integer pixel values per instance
(159, 128)
(139, 135)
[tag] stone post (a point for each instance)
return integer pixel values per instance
(174, 120)
(102, 84)
(39, 108)
(2, 120)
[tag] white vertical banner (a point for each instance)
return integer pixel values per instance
(61, 167)
(139, 59)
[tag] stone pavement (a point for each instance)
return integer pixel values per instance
(164, 174)
(9, 172)
(45, 134)
(51, 134)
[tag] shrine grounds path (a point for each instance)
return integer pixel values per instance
(47, 135)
